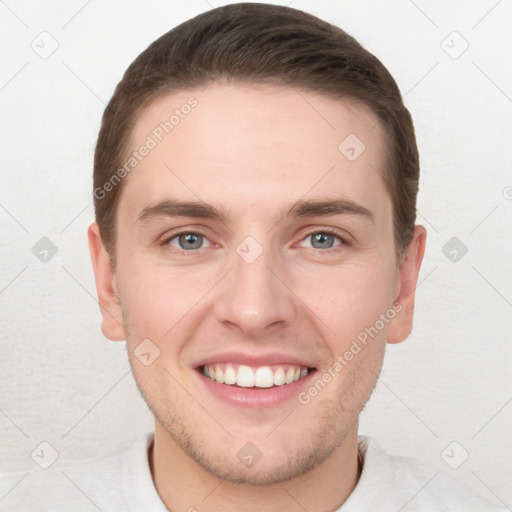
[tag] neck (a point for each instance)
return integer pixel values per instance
(184, 485)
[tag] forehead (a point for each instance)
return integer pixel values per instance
(249, 144)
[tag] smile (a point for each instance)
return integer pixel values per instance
(254, 377)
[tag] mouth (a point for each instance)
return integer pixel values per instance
(256, 377)
(265, 386)
(252, 380)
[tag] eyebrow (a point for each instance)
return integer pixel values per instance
(176, 208)
(327, 208)
(300, 209)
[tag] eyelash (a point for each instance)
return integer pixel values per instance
(327, 231)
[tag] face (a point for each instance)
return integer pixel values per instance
(253, 254)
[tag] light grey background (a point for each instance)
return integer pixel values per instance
(64, 383)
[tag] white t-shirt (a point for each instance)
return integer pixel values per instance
(122, 482)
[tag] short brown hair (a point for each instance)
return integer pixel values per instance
(259, 43)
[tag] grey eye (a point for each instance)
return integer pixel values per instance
(322, 240)
(188, 241)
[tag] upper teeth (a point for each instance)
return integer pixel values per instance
(260, 377)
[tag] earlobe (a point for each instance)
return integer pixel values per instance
(401, 326)
(106, 286)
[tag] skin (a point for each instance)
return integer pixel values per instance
(254, 150)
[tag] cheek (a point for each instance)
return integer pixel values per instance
(350, 298)
(156, 298)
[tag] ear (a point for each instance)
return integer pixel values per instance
(407, 278)
(104, 273)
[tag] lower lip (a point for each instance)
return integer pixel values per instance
(255, 397)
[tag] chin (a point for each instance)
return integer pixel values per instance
(271, 459)
(263, 472)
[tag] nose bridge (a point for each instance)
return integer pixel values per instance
(252, 297)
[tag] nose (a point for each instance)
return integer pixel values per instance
(254, 296)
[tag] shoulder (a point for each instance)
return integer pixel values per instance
(81, 486)
(413, 485)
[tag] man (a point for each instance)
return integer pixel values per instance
(255, 185)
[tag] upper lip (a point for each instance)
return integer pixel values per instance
(252, 359)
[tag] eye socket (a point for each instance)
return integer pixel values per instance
(323, 240)
(191, 241)
(188, 241)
